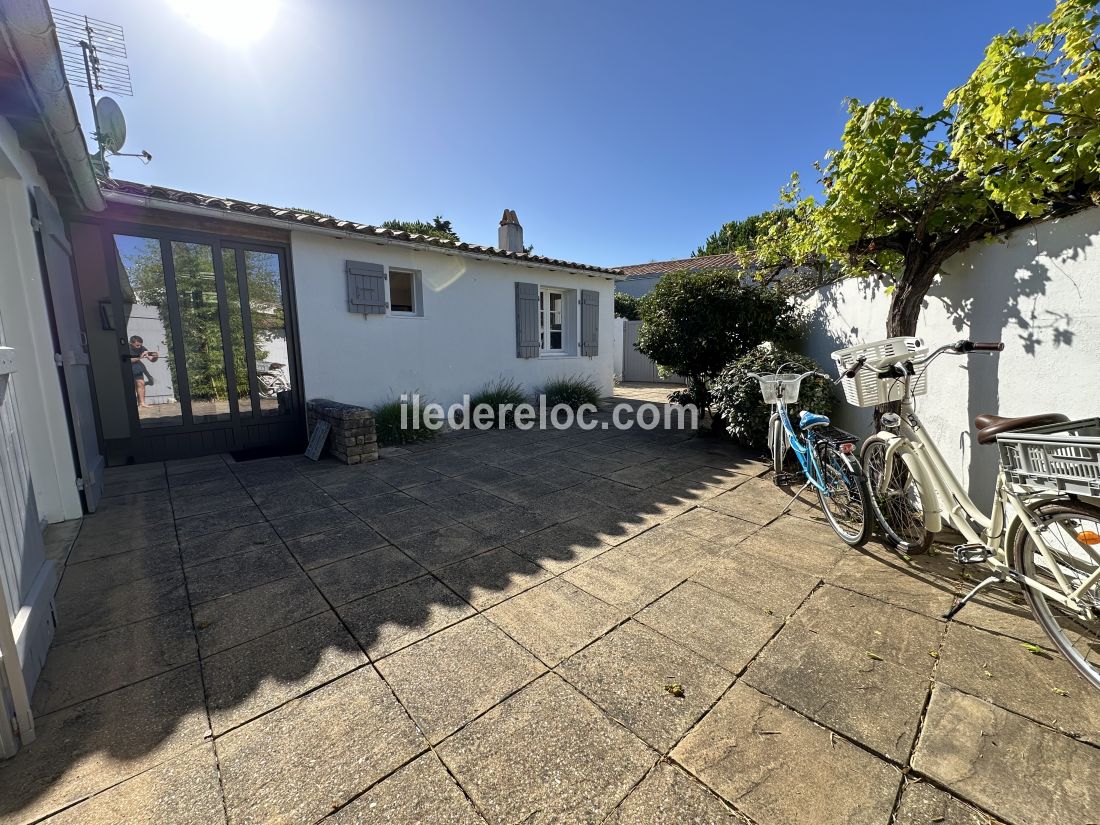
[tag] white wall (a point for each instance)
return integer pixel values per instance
(466, 337)
(1038, 291)
(638, 287)
(24, 316)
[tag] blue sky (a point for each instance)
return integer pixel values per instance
(621, 132)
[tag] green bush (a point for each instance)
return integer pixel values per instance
(695, 323)
(387, 423)
(738, 401)
(571, 390)
(626, 306)
(498, 393)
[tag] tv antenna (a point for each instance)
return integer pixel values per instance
(94, 54)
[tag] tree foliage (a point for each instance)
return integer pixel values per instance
(695, 323)
(906, 190)
(627, 306)
(437, 227)
(735, 235)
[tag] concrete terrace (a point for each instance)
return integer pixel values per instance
(530, 627)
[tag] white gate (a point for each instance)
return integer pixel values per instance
(638, 367)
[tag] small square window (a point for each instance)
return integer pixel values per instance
(403, 292)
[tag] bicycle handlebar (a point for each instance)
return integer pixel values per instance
(963, 347)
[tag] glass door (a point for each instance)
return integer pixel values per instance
(202, 331)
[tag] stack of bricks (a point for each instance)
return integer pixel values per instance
(352, 438)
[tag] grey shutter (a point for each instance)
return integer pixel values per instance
(527, 320)
(590, 322)
(366, 288)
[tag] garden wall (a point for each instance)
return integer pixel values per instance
(1037, 290)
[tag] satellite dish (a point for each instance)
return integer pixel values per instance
(112, 125)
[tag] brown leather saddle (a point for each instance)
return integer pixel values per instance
(991, 426)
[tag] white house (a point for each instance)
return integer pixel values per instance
(639, 279)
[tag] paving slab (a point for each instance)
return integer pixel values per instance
(780, 768)
(400, 616)
(447, 545)
(897, 635)
(352, 488)
(238, 572)
(189, 501)
(641, 570)
(86, 611)
(1039, 685)
(449, 678)
(612, 526)
(300, 761)
(713, 526)
(86, 748)
(79, 670)
(769, 587)
(872, 701)
(466, 507)
(628, 673)
(559, 547)
(922, 804)
(408, 795)
(91, 546)
(668, 796)
(290, 499)
(352, 578)
(241, 617)
(207, 523)
(262, 674)
(120, 568)
(444, 488)
(319, 549)
(754, 500)
(546, 755)
(218, 545)
(888, 577)
(509, 523)
(182, 791)
(381, 505)
(555, 619)
(710, 624)
(402, 524)
(315, 521)
(801, 553)
(1012, 767)
(492, 577)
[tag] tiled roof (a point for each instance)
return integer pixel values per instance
(298, 217)
(703, 263)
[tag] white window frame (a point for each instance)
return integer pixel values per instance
(417, 292)
(544, 320)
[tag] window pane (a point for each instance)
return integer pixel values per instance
(146, 328)
(265, 302)
(401, 291)
(555, 303)
(555, 340)
(204, 349)
(236, 332)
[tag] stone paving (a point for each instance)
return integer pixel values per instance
(530, 627)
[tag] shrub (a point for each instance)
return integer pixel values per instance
(572, 390)
(498, 393)
(738, 401)
(388, 423)
(695, 323)
(626, 306)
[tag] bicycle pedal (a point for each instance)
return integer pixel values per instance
(971, 553)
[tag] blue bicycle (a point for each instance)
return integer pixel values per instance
(827, 457)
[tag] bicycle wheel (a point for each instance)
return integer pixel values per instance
(1071, 531)
(777, 440)
(897, 508)
(844, 500)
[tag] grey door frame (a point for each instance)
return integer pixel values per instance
(139, 438)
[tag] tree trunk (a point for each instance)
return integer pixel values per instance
(908, 298)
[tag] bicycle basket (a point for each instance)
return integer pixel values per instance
(782, 388)
(868, 390)
(1063, 457)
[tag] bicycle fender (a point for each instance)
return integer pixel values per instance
(933, 519)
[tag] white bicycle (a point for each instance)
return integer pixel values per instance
(1044, 529)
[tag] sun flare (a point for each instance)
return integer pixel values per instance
(237, 22)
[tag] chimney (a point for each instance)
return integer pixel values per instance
(510, 234)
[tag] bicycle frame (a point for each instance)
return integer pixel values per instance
(955, 507)
(803, 450)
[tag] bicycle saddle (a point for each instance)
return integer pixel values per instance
(990, 426)
(808, 420)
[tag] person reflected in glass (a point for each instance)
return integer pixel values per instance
(139, 354)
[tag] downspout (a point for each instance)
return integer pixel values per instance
(28, 29)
